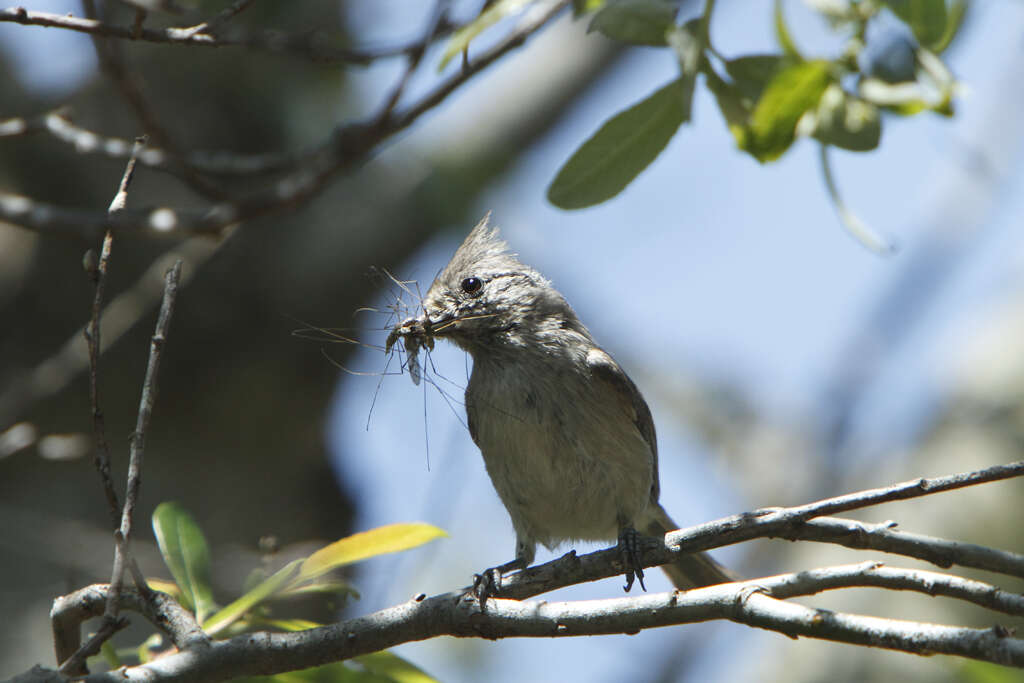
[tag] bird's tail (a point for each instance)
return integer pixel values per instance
(692, 570)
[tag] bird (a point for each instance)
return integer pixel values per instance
(566, 436)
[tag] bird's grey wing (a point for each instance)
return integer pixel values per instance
(604, 368)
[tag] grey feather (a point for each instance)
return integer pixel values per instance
(565, 434)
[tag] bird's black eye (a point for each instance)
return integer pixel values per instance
(472, 285)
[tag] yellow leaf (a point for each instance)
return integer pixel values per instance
(382, 540)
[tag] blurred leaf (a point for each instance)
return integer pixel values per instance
(623, 147)
(168, 587)
(735, 109)
(257, 576)
(928, 19)
(845, 121)
(752, 74)
(461, 39)
(290, 625)
(339, 588)
(838, 13)
(581, 7)
(986, 672)
(186, 554)
(336, 672)
(264, 590)
(688, 44)
(957, 12)
(782, 34)
(394, 668)
(379, 667)
(905, 99)
(792, 92)
(638, 22)
(386, 539)
(110, 655)
(861, 231)
(146, 649)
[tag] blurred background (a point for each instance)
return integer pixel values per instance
(782, 360)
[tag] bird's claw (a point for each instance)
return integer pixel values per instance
(629, 551)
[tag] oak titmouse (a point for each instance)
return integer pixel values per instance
(566, 436)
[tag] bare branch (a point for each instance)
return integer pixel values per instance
(454, 614)
(348, 147)
(70, 611)
(571, 569)
(75, 663)
(92, 338)
(877, 575)
(311, 45)
(224, 16)
(758, 602)
(939, 551)
(58, 124)
(128, 82)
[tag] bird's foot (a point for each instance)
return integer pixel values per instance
(630, 552)
(487, 584)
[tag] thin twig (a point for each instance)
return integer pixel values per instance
(225, 15)
(75, 664)
(877, 575)
(128, 82)
(146, 402)
(939, 551)
(346, 148)
(304, 44)
(414, 58)
(92, 338)
(58, 124)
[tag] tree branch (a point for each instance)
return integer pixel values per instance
(757, 602)
(311, 45)
(347, 147)
(59, 125)
(455, 614)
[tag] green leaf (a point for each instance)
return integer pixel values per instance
(861, 231)
(845, 121)
(782, 34)
(339, 589)
(110, 655)
(623, 147)
(186, 554)
(792, 92)
(289, 625)
(927, 19)
(266, 589)
(394, 668)
(734, 107)
(752, 74)
(581, 7)
(957, 12)
(638, 22)
(386, 539)
(461, 39)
